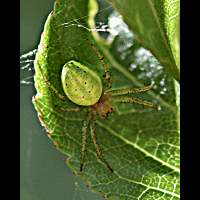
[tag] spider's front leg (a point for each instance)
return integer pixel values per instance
(120, 95)
(124, 91)
(107, 75)
(125, 99)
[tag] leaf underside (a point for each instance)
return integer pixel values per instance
(142, 145)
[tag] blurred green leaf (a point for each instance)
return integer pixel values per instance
(156, 25)
(142, 145)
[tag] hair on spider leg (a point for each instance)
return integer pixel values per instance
(61, 109)
(61, 97)
(136, 100)
(101, 58)
(89, 123)
(107, 76)
(128, 90)
(97, 147)
(83, 142)
(51, 87)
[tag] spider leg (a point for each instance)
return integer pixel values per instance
(60, 96)
(83, 143)
(124, 99)
(97, 147)
(122, 91)
(107, 74)
(61, 109)
(52, 88)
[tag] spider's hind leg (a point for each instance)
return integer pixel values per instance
(83, 143)
(97, 147)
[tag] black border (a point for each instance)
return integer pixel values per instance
(190, 120)
(10, 99)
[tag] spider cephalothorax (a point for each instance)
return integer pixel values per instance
(84, 88)
(104, 106)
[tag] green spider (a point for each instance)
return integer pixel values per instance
(84, 87)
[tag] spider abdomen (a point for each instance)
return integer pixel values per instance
(80, 84)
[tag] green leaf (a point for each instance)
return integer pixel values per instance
(172, 10)
(156, 25)
(141, 145)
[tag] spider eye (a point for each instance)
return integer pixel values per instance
(77, 83)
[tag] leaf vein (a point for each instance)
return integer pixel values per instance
(137, 147)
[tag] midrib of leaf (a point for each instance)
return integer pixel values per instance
(136, 146)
